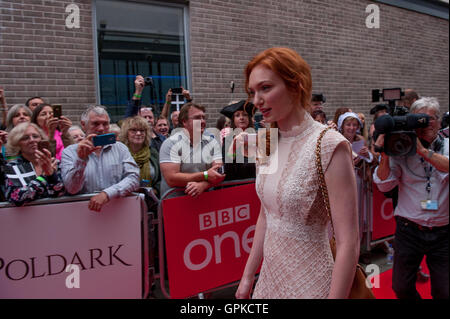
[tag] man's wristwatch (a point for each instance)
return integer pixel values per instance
(430, 154)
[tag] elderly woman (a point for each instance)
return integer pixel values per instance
(58, 138)
(76, 133)
(349, 124)
(135, 134)
(33, 174)
(17, 114)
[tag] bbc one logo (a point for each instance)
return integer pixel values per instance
(217, 220)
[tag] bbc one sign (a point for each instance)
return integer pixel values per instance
(217, 220)
(209, 240)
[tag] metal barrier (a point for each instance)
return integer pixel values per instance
(372, 209)
(149, 273)
(41, 238)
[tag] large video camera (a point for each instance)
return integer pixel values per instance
(398, 125)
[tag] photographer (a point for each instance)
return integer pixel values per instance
(422, 211)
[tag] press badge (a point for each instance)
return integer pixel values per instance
(429, 204)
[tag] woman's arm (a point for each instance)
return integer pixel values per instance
(254, 259)
(342, 191)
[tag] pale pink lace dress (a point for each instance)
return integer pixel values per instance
(297, 258)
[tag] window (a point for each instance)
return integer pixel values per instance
(136, 38)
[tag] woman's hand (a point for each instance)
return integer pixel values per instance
(244, 289)
(246, 142)
(46, 162)
(364, 152)
(64, 124)
(52, 124)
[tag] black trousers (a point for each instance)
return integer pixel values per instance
(411, 244)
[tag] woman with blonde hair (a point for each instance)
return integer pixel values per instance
(291, 236)
(33, 173)
(135, 133)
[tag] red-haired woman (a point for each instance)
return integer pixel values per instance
(291, 235)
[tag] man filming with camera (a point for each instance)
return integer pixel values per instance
(422, 212)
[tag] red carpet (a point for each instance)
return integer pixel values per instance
(385, 291)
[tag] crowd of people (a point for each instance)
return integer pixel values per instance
(43, 155)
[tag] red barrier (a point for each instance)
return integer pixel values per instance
(382, 214)
(208, 239)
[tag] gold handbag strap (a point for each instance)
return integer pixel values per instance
(322, 184)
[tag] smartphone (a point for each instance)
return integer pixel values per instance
(57, 110)
(44, 144)
(221, 170)
(177, 90)
(105, 139)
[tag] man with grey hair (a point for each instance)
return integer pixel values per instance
(109, 169)
(422, 212)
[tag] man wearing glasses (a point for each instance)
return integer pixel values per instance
(189, 158)
(108, 169)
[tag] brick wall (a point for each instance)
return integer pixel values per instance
(409, 50)
(40, 56)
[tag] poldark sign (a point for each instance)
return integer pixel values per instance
(65, 250)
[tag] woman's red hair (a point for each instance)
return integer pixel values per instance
(294, 71)
(290, 66)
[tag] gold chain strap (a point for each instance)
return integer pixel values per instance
(322, 184)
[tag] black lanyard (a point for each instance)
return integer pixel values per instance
(428, 176)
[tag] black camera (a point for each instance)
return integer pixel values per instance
(400, 138)
(398, 125)
(391, 95)
(148, 81)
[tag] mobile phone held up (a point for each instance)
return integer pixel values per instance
(221, 169)
(57, 110)
(44, 144)
(105, 139)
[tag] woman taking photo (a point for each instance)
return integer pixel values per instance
(238, 163)
(135, 134)
(57, 129)
(291, 236)
(33, 174)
